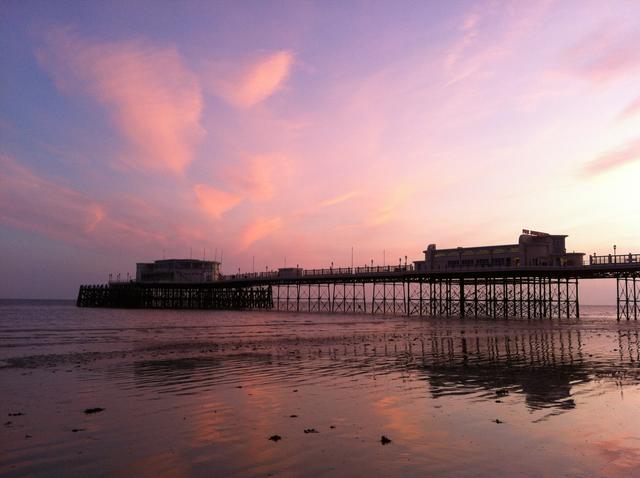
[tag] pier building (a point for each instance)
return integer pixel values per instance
(290, 272)
(533, 249)
(178, 271)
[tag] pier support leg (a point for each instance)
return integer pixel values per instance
(636, 296)
(627, 295)
(462, 305)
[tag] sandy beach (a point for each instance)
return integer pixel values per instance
(170, 393)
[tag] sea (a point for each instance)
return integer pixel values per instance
(152, 393)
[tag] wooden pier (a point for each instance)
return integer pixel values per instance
(532, 292)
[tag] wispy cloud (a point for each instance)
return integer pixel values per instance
(339, 199)
(215, 202)
(96, 214)
(257, 177)
(151, 96)
(613, 159)
(632, 109)
(605, 54)
(487, 34)
(245, 85)
(259, 229)
(33, 203)
(469, 31)
(389, 203)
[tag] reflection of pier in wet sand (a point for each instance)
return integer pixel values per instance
(541, 364)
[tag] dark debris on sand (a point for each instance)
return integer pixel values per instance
(275, 437)
(89, 411)
(384, 440)
(311, 430)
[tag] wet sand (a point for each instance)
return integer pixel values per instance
(206, 394)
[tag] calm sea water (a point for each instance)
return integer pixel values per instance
(199, 393)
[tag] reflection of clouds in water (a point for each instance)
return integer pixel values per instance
(398, 417)
(167, 464)
(622, 455)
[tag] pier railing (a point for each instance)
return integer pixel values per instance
(299, 273)
(605, 260)
(330, 271)
(595, 260)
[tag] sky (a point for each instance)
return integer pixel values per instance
(264, 132)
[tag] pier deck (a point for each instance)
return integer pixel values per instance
(531, 292)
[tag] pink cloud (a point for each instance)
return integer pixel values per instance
(606, 54)
(389, 204)
(339, 199)
(247, 85)
(469, 31)
(257, 176)
(614, 159)
(32, 203)
(151, 97)
(214, 201)
(96, 213)
(259, 229)
(487, 35)
(632, 109)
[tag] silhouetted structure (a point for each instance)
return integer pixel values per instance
(544, 283)
(533, 249)
(178, 270)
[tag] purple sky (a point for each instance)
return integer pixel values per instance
(301, 129)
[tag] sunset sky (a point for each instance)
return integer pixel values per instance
(129, 130)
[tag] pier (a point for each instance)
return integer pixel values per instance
(494, 292)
